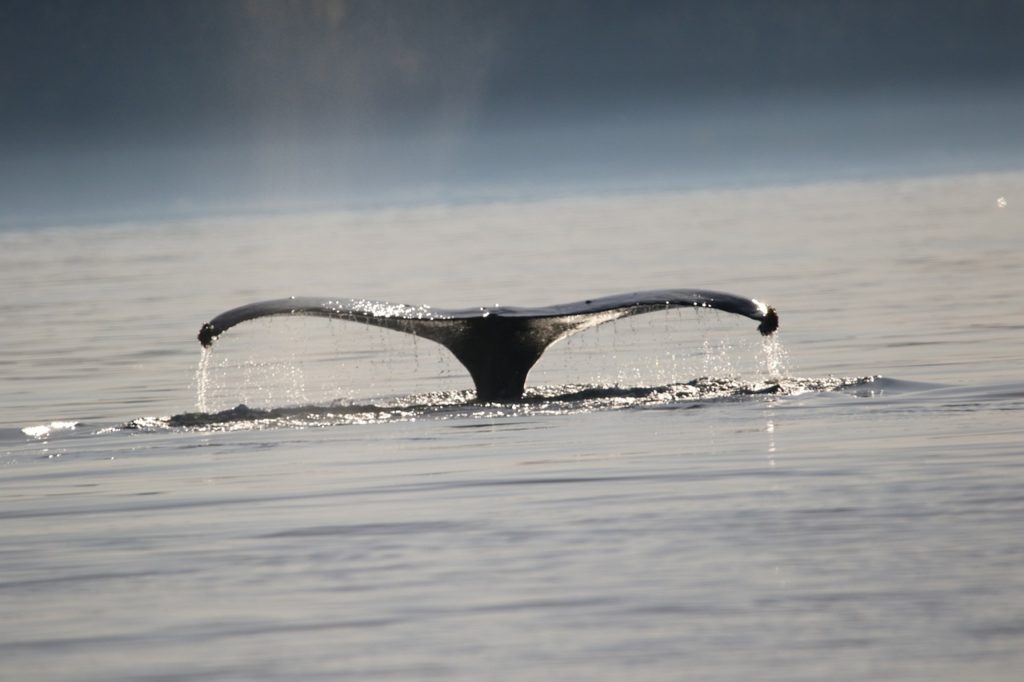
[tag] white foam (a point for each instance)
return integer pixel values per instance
(44, 430)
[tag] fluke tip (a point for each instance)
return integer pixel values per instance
(770, 322)
(206, 335)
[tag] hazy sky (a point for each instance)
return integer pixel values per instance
(122, 106)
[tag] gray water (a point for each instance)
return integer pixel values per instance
(674, 500)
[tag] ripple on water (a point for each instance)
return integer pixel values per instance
(539, 400)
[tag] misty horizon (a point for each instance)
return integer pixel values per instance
(115, 110)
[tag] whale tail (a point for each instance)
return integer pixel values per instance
(500, 344)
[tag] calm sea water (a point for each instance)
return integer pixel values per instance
(845, 505)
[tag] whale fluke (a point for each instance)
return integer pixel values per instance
(497, 344)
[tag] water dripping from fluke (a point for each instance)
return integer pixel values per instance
(202, 379)
(498, 345)
(773, 358)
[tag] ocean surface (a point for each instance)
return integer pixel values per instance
(676, 498)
